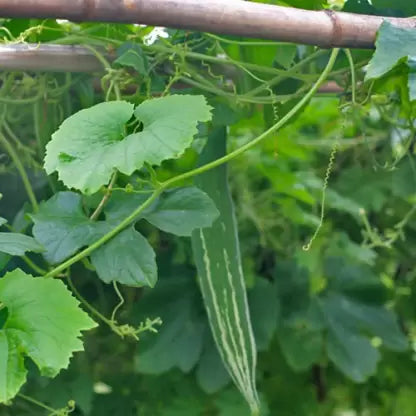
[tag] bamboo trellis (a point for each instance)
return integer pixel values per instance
(233, 17)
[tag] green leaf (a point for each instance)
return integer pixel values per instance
(352, 353)
(301, 346)
(211, 373)
(334, 199)
(223, 114)
(92, 143)
(404, 7)
(355, 282)
(359, 6)
(342, 246)
(372, 192)
(184, 406)
(374, 319)
(131, 55)
(393, 45)
(264, 310)
(3, 221)
(44, 323)
(62, 228)
(122, 204)
(12, 368)
(89, 145)
(183, 210)
(229, 403)
(169, 125)
(17, 244)
(351, 310)
(180, 339)
(285, 54)
(293, 290)
(127, 258)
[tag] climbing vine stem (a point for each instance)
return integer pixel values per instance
(334, 150)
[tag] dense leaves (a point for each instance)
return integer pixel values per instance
(343, 311)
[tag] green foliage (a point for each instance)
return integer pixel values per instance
(341, 315)
(37, 329)
(334, 326)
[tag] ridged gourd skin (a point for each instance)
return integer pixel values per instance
(217, 257)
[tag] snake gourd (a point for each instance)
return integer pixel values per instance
(217, 257)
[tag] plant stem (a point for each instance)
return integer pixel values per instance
(34, 266)
(352, 68)
(164, 185)
(243, 42)
(19, 166)
(105, 198)
(226, 61)
(85, 303)
(37, 403)
(262, 136)
(279, 78)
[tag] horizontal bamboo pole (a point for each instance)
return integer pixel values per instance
(65, 58)
(48, 58)
(232, 17)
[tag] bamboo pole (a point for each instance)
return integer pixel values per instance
(232, 17)
(65, 58)
(48, 58)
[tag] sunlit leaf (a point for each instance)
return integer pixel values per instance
(94, 142)
(38, 327)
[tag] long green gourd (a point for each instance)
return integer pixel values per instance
(217, 257)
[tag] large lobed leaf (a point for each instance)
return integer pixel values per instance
(92, 143)
(44, 322)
